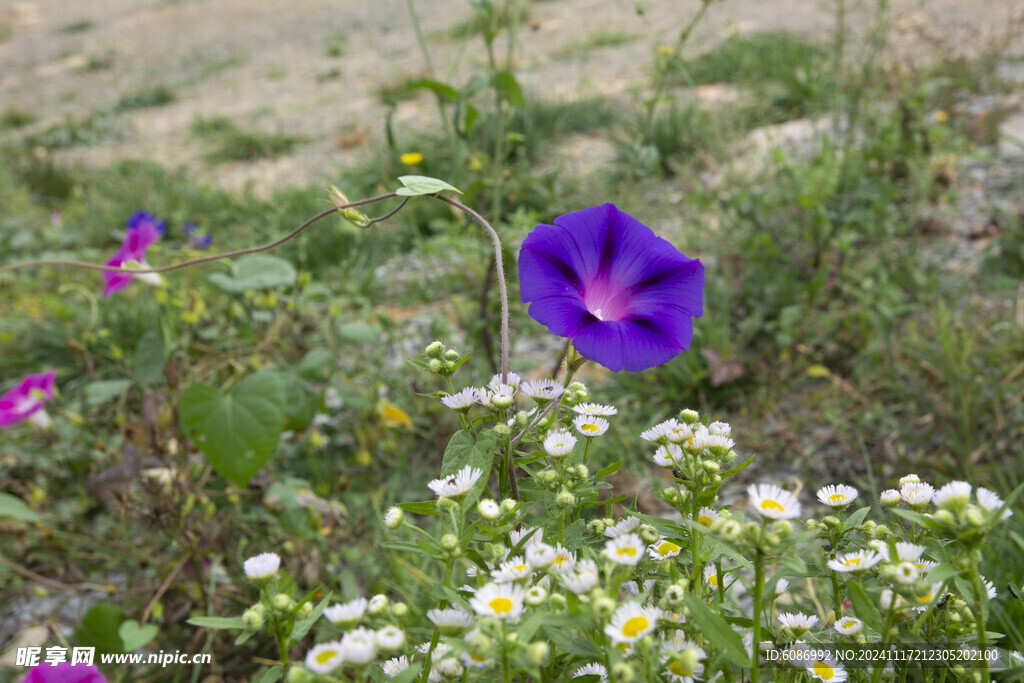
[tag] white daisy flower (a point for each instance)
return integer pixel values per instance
(539, 555)
(907, 552)
(325, 657)
(564, 560)
(827, 670)
(462, 400)
(858, 561)
(502, 601)
(583, 579)
(262, 566)
(590, 426)
(773, 502)
(909, 479)
(990, 588)
(633, 589)
(595, 409)
(559, 444)
(393, 517)
(921, 602)
(890, 498)
(592, 669)
(953, 496)
(837, 495)
(631, 622)
(848, 626)
(677, 669)
(711, 576)
(450, 621)
(682, 434)
(663, 549)
(925, 566)
(721, 428)
(703, 440)
(707, 516)
(535, 596)
(445, 667)
(458, 484)
(395, 666)
(990, 502)
(542, 390)
(488, 509)
(390, 637)
(907, 573)
(347, 613)
(626, 525)
(668, 456)
(781, 586)
(516, 569)
(511, 380)
(916, 494)
(672, 617)
(797, 622)
(627, 549)
(472, 661)
(659, 432)
(378, 603)
(359, 646)
(517, 535)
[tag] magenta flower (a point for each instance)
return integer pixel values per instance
(142, 231)
(65, 672)
(623, 295)
(26, 399)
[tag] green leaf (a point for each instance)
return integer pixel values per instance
(446, 92)
(244, 637)
(864, 607)
(423, 507)
(462, 450)
(738, 468)
(302, 626)
(417, 185)
(15, 508)
(217, 623)
(317, 364)
(134, 635)
(99, 392)
(507, 85)
(273, 674)
(256, 271)
(148, 361)
(716, 630)
(301, 399)
(239, 431)
(611, 469)
(574, 535)
(100, 627)
(857, 517)
(358, 333)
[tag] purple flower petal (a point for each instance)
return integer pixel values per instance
(23, 400)
(65, 672)
(142, 231)
(623, 295)
(143, 218)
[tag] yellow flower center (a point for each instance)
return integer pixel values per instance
(326, 656)
(667, 548)
(678, 669)
(924, 598)
(769, 504)
(824, 670)
(411, 158)
(634, 626)
(837, 498)
(591, 428)
(520, 567)
(704, 520)
(628, 550)
(501, 605)
(713, 580)
(560, 560)
(852, 561)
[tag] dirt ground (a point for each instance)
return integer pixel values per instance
(267, 63)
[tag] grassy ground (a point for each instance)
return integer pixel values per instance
(852, 332)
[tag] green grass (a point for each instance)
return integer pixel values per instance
(229, 142)
(91, 129)
(594, 42)
(153, 96)
(16, 118)
(80, 26)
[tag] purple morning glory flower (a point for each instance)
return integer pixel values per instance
(195, 240)
(65, 672)
(141, 218)
(136, 240)
(623, 295)
(24, 400)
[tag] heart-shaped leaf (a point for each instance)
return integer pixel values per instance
(416, 185)
(135, 635)
(258, 271)
(99, 628)
(237, 432)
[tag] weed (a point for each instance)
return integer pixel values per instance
(154, 96)
(80, 26)
(594, 42)
(95, 128)
(17, 118)
(334, 44)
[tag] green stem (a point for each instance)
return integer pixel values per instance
(837, 606)
(758, 588)
(978, 609)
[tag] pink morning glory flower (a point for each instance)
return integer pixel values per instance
(65, 672)
(624, 296)
(143, 230)
(25, 401)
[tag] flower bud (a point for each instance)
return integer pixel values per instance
(399, 610)
(731, 530)
(674, 595)
(503, 402)
(393, 518)
(480, 645)
(377, 605)
(974, 517)
(449, 542)
(868, 528)
(447, 366)
(690, 417)
(446, 504)
(488, 509)
(451, 355)
(557, 602)
(812, 524)
(623, 672)
(671, 495)
(305, 610)
(596, 527)
(511, 638)
(434, 350)
(582, 472)
(522, 419)
(282, 602)
(298, 674)
(772, 539)
(831, 522)
(890, 498)
(603, 607)
(351, 214)
(502, 431)
(547, 477)
(783, 527)
(945, 517)
(565, 499)
(538, 652)
(252, 619)
(435, 366)
(649, 534)
(508, 506)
